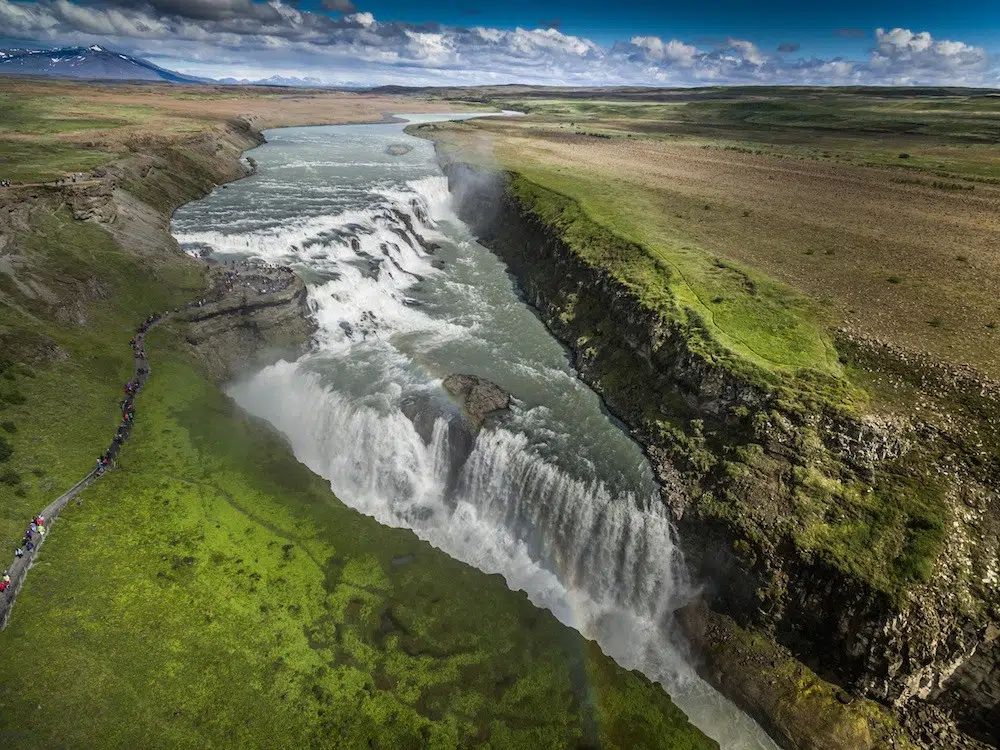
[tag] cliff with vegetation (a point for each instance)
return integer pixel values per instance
(211, 590)
(864, 543)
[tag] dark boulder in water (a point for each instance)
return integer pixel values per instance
(478, 397)
(398, 149)
(423, 410)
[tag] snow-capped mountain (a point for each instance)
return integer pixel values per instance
(274, 80)
(99, 63)
(93, 62)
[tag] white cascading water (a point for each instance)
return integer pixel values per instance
(554, 496)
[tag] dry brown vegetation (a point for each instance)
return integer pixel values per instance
(50, 128)
(897, 254)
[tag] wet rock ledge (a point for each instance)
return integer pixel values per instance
(253, 316)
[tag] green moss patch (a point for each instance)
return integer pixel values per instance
(41, 160)
(212, 591)
(797, 704)
(756, 318)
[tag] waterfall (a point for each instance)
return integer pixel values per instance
(553, 496)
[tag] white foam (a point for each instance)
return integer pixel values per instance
(602, 560)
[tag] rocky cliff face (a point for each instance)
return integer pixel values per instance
(240, 325)
(249, 324)
(929, 639)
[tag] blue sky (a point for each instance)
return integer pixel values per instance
(581, 42)
(768, 24)
(807, 22)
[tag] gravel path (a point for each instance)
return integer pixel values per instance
(228, 279)
(18, 570)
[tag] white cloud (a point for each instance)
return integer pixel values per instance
(673, 51)
(900, 56)
(216, 37)
(747, 51)
(361, 19)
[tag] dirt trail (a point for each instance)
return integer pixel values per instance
(229, 280)
(18, 570)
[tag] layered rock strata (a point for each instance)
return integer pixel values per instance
(922, 637)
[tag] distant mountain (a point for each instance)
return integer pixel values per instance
(86, 62)
(307, 82)
(98, 63)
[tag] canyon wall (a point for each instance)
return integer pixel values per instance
(734, 450)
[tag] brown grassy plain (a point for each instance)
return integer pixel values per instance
(51, 128)
(885, 252)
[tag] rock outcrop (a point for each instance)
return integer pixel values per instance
(250, 324)
(470, 402)
(132, 199)
(797, 707)
(478, 397)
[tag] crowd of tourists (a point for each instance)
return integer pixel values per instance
(36, 528)
(263, 278)
(131, 389)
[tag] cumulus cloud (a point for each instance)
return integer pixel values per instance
(655, 50)
(902, 56)
(256, 39)
(746, 51)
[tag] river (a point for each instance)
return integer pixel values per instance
(556, 497)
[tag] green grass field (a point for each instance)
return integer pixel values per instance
(34, 161)
(766, 112)
(772, 327)
(41, 116)
(952, 135)
(213, 592)
(67, 369)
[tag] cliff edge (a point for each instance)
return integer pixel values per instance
(864, 543)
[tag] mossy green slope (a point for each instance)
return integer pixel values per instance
(612, 224)
(214, 592)
(759, 319)
(66, 314)
(887, 529)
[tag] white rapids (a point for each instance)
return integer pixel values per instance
(555, 497)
